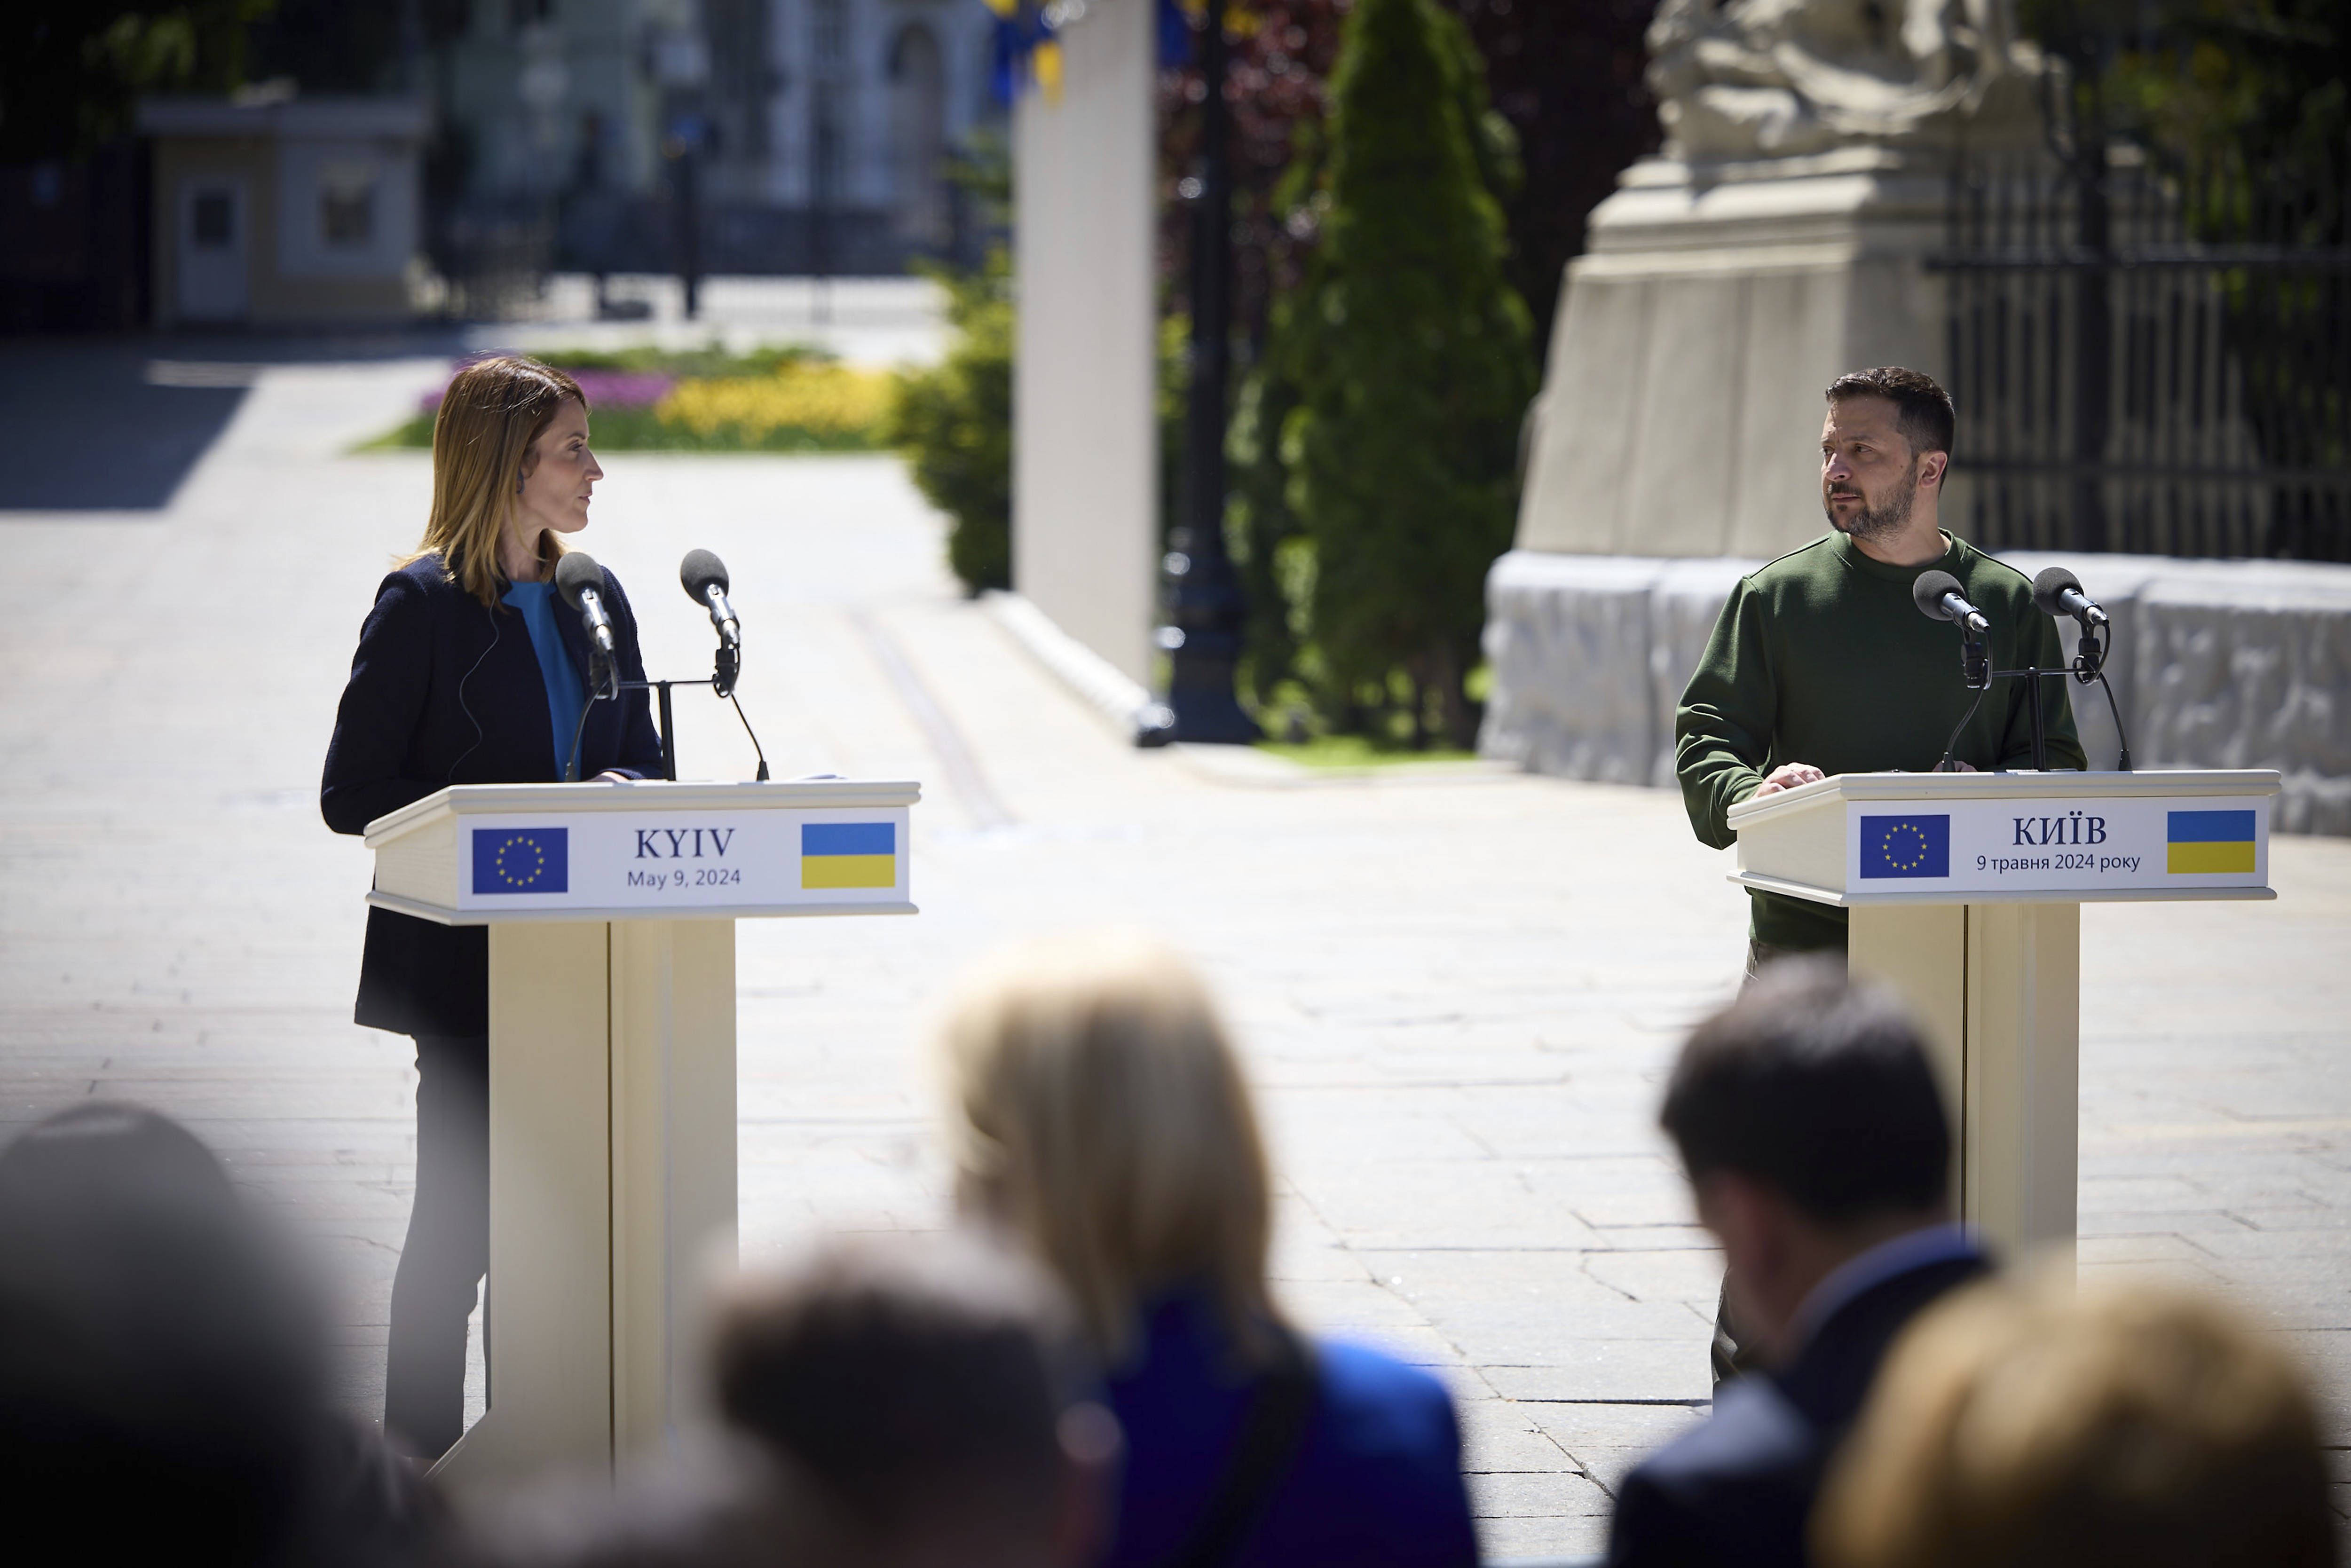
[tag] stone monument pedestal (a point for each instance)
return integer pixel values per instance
(1681, 406)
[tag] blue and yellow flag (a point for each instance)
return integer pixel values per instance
(522, 860)
(2200, 843)
(848, 854)
(1917, 845)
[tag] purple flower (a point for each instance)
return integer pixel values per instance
(624, 389)
(604, 388)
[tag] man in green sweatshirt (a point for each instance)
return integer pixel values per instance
(1822, 664)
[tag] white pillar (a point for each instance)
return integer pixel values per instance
(1085, 449)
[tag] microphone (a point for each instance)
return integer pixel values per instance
(2059, 592)
(581, 582)
(1937, 594)
(704, 576)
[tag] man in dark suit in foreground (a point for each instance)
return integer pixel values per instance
(1818, 1151)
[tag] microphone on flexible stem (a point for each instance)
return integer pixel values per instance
(581, 582)
(1938, 598)
(705, 578)
(2059, 592)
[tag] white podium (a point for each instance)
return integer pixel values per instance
(612, 913)
(1966, 893)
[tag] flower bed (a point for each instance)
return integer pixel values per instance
(812, 408)
(787, 399)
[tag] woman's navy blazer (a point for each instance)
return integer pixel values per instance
(443, 691)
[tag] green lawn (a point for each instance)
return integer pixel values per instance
(1358, 751)
(636, 430)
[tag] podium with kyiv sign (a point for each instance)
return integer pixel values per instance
(612, 913)
(1966, 894)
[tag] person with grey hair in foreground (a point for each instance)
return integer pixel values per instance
(1816, 1146)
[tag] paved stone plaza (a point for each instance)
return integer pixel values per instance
(1456, 986)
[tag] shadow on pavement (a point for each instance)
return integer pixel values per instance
(116, 425)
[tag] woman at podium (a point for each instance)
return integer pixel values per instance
(470, 670)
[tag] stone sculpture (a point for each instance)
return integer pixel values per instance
(1738, 80)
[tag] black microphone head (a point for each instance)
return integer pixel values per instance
(2053, 581)
(701, 571)
(1927, 593)
(576, 573)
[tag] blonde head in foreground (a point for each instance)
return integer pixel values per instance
(2033, 1426)
(1100, 1117)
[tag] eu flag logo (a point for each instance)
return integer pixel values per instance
(522, 860)
(1905, 846)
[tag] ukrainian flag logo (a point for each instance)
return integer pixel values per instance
(2200, 843)
(848, 854)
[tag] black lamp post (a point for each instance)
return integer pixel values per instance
(1202, 637)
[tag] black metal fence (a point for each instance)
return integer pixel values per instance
(2151, 356)
(494, 259)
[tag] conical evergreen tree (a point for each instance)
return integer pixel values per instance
(1411, 355)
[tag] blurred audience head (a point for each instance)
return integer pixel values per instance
(2121, 1426)
(725, 1502)
(1811, 1127)
(159, 1361)
(931, 1388)
(1103, 1121)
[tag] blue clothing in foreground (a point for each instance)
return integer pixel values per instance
(565, 695)
(1375, 1482)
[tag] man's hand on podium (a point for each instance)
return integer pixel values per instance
(1787, 776)
(611, 777)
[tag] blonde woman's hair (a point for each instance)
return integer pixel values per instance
(2034, 1427)
(492, 414)
(1103, 1118)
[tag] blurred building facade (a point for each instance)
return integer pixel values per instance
(780, 137)
(795, 136)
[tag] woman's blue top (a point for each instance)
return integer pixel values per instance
(565, 695)
(1374, 1483)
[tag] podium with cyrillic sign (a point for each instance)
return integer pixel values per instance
(612, 912)
(1966, 894)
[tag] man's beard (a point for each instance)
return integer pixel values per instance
(1877, 522)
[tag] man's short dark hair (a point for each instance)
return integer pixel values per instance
(1922, 410)
(1817, 1089)
(913, 1377)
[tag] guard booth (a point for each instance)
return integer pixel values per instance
(1966, 893)
(270, 209)
(612, 913)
